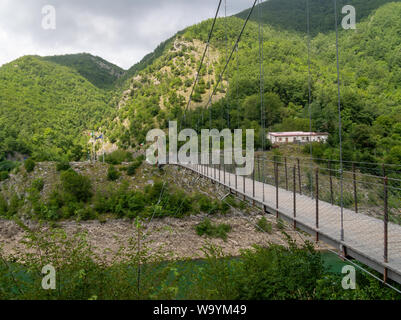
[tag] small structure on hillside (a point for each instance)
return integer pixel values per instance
(297, 137)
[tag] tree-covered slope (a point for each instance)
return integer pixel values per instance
(45, 109)
(96, 70)
(291, 14)
(370, 74)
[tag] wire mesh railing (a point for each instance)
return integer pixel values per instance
(368, 215)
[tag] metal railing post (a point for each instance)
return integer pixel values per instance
(331, 184)
(286, 174)
(263, 180)
(355, 190)
(276, 183)
(243, 185)
(385, 220)
(299, 177)
(295, 196)
(224, 173)
(253, 182)
(317, 203)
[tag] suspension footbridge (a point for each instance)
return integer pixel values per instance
(372, 240)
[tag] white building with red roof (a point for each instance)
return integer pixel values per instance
(297, 137)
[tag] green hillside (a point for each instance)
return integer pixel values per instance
(291, 14)
(45, 109)
(371, 86)
(96, 70)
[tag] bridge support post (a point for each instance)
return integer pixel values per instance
(331, 183)
(355, 188)
(263, 180)
(286, 174)
(236, 181)
(243, 185)
(385, 220)
(253, 185)
(214, 167)
(317, 204)
(224, 173)
(276, 183)
(295, 196)
(299, 177)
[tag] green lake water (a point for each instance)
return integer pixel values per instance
(331, 261)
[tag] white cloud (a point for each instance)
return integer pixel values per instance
(120, 31)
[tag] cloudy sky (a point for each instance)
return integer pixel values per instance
(120, 31)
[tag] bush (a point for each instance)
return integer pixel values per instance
(118, 156)
(29, 165)
(7, 165)
(279, 273)
(206, 227)
(15, 204)
(131, 170)
(4, 175)
(264, 226)
(38, 184)
(63, 166)
(86, 213)
(76, 185)
(113, 174)
(3, 206)
(209, 206)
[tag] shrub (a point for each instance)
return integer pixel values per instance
(3, 206)
(76, 185)
(4, 175)
(38, 184)
(7, 165)
(15, 204)
(280, 224)
(29, 165)
(264, 226)
(131, 170)
(206, 227)
(63, 166)
(118, 156)
(86, 213)
(299, 270)
(113, 174)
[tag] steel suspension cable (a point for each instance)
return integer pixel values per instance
(339, 122)
(226, 31)
(203, 57)
(261, 57)
(232, 52)
(309, 90)
(237, 93)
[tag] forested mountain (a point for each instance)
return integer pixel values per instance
(96, 70)
(48, 104)
(291, 14)
(45, 109)
(370, 73)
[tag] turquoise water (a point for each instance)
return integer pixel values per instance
(333, 262)
(190, 270)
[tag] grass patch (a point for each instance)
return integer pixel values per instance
(206, 227)
(264, 226)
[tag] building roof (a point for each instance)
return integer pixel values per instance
(297, 134)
